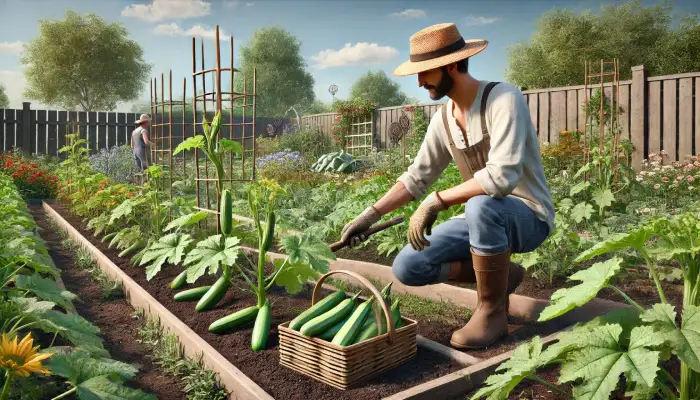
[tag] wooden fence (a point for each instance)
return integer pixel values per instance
(657, 113)
(43, 131)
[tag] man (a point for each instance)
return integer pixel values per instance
(139, 141)
(486, 129)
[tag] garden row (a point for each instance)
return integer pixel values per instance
(48, 350)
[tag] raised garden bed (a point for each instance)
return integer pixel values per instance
(259, 375)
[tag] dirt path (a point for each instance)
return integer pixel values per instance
(113, 317)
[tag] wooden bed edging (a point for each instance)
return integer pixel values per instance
(458, 384)
(236, 382)
(522, 307)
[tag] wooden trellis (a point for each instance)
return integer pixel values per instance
(360, 140)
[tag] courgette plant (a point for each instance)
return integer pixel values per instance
(306, 258)
(633, 341)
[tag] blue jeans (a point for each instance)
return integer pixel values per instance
(489, 226)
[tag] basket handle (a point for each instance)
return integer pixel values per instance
(370, 286)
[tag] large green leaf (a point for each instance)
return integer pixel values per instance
(603, 198)
(308, 249)
(582, 211)
(192, 142)
(186, 220)
(46, 289)
(523, 364)
(208, 253)
(294, 275)
(73, 327)
(592, 280)
(602, 357)
(684, 342)
(110, 388)
(79, 366)
(230, 145)
(635, 239)
(169, 248)
(30, 305)
(122, 210)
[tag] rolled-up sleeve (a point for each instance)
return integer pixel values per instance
(432, 158)
(509, 127)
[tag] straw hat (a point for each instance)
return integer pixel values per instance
(437, 46)
(143, 118)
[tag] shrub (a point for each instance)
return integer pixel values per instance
(32, 181)
(278, 164)
(675, 182)
(116, 163)
(265, 146)
(311, 144)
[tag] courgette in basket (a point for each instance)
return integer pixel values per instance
(350, 329)
(239, 318)
(225, 212)
(317, 309)
(261, 329)
(191, 294)
(213, 295)
(371, 330)
(386, 296)
(132, 249)
(179, 280)
(330, 333)
(329, 318)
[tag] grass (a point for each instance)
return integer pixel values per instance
(414, 306)
(200, 383)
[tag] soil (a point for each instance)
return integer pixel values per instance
(263, 367)
(635, 283)
(113, 317)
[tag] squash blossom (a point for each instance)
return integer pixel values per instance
(21, 359)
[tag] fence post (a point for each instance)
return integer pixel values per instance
(26, 128)
(638, 114)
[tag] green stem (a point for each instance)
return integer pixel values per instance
(54, 339)
(626, 297)
(6, 386)
(686, 382)
(654, 275)
(261, 277)
(549, 385)
(67, 393)
(669, 378)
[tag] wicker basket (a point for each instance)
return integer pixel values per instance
(344, 367)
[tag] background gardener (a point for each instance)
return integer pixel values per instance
(485, 127)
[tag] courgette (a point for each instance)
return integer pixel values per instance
(317, 309)
(261, 329)
(330, 333)
(326, 320)
(179, 280)
(213, 295)
(191, 294)
(386, 296)
(239, 318)
(114, 241)
(225, 212)
(349, 331)
(269, 235)
(371, 330)
(109, 236)
(132, 249)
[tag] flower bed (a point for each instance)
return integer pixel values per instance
(31, 180)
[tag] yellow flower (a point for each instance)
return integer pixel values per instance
(21, 359)
(272, 197)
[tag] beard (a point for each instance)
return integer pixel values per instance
(443, 87)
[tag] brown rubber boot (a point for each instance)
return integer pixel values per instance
(490, 319)
(516, 273)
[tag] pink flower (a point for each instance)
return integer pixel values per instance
(664, 179)
(679, 178)
(690, 179)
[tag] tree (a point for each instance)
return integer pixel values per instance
(4, 100)
(281, 77)
(82, 61)
(379, 89)
(630, 32)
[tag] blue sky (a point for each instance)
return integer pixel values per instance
(341, 40)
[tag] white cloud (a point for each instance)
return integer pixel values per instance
(410, 13)
(361, 53)
(473, 20)
(160, 10)
(173, 29)
(11, 47)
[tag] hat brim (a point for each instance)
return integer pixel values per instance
(471, 48)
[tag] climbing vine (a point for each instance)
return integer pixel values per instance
(350, 111)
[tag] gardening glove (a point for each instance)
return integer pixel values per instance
(423, 220)
(361, 223)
